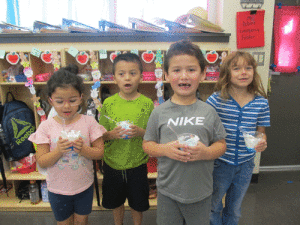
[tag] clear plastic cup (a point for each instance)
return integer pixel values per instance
(125, 125)
(188, 139)
(252, 138)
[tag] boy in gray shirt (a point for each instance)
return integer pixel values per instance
(184, 179)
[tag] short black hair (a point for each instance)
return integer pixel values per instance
(184, 47)
(128, 57)
(65, 77)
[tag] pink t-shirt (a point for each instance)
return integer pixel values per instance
(72, 173)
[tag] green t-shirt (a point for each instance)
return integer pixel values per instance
(124, 154)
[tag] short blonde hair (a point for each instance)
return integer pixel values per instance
(231, 60)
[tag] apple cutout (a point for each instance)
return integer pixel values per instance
(13, 58)
(113, 55)
(212, 56)
(148, 56)
(82, 58)
(46, 57)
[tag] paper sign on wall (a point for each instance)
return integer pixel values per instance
(250, 29)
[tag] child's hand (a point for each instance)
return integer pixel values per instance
(78, 144)
(199, 152)
(117, 132)
(63, 145)
(135, 131)
(261, 146)
(172, 151)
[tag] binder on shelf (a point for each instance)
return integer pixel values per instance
(76, 27)
(42, 27)
(10, 28)
(105, 25)
(141, 25)
(175, 27)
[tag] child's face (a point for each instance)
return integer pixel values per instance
(241, 74)
(65, 101)
(127, 76)
(184, 75)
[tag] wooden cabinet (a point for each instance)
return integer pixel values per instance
(61, 44)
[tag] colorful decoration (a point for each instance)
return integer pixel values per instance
(96, 74)
(73, 51)
(36, 52)
(103, 54)
(113, 55)
(2, 54)
(56, 60)
(148, 56)
(135, 51)
(46, 57)
(82, 58)
(212, 57)
(158, 74)
(13, 58)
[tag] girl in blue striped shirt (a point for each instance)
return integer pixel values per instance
(241, 103)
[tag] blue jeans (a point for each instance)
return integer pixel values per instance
(234, 182)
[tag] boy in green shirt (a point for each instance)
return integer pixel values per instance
(125, 162)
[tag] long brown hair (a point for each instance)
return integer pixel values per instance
(230, 61)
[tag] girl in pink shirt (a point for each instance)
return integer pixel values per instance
(66, 146)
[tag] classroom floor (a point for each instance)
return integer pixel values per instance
(274, 200)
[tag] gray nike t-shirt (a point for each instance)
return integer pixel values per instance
(191, 181)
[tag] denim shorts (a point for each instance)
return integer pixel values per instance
(64, 206)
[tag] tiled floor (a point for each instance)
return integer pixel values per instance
(274, 200)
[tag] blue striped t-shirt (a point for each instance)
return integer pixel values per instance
(254, 114)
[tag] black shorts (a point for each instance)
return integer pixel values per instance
(132, 184)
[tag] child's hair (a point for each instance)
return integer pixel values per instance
(128, 57)
(65, 77)
(184, 48)
(230, 61)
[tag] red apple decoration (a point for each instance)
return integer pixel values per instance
(82, 58)
(148, 56)
(113, 55)
(212, 56)
(46, 57)
(13, 58)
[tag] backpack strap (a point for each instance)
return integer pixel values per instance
(3, 175)
(12, 96)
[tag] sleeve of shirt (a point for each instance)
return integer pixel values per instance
(263, 119)
(152, 133)
(96, 130)
(212, 100)
(40, 136)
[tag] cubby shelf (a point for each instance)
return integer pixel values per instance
(13, 203)
(60, 44)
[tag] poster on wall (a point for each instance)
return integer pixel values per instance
(286, 39)
(250, 29)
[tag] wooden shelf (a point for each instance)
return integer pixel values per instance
(38, 176)
(12, 203)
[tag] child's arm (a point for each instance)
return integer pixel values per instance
(201, 152)
(45, 158)
(170, 150)
(262, 145)
(95, 151)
